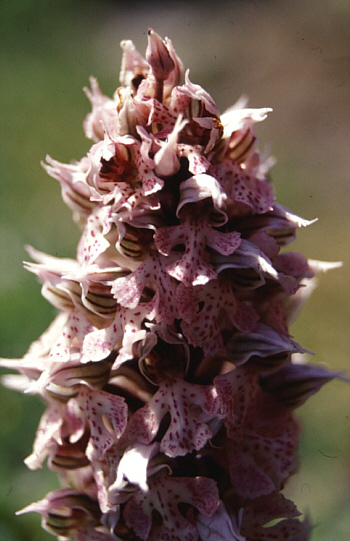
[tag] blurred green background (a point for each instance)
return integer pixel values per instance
(293, 56)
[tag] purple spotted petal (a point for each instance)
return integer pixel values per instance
(192, 409)
(151, 272)
(258, 514)
(203, 328)
(164, 495)
(105, 415)
(93, 242)
(236, 390)
(127, 326)
(195, 235)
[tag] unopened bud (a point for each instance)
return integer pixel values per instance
(158, 56)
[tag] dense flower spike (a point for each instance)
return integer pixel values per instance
(169, 374)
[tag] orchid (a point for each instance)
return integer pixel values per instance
(169, 375)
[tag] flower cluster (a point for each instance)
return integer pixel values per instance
(169, 374)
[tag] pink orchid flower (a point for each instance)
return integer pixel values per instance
(169, 374)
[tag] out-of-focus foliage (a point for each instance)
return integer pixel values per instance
(292, 56)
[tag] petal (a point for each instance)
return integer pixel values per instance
(93, 241)
(218, 527)
(196, 92)
(193, 410)
(203, 186)
(279, 222)
(253, 194)
(293, 264)
(197, 162)
(133, 64)
(106, 416)
(260, 512)
(238, 117)
(47, 436)
(293, 384)
(192, 267)
(249, 266)
(133, 466)
(236, 390)
(203, 328)
(166, 159)
(263, 342)
(150, 273)
(76, 327)
(103, 115)
(224, 243)
(75, 191)
(164, 495)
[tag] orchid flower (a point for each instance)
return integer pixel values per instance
(169, 374)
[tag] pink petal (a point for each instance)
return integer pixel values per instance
(93, 242)
(293, 384)
(254, 194)
(158, 56)
(261, 511)
(162, 115)
(93, 407)
(75, 191)
(203, 186)
(249, 266)
(76, 327)
(204, 330)
(279, 222)
(195, 234)
(151, 272)
(133, 465)
(224, 243)
(197, 162)
(98, 344)
(248, 478)
(192, 408)
(133, 64)
(262, 342)
(219, 526)
(236, 390)
(294, 264)
(103, 115)
(47, 436)
(166, 159)
(196, 92)
(238, 117)
(164, 495)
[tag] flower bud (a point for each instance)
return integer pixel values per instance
(157, 55)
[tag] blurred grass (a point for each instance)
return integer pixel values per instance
(293, 56)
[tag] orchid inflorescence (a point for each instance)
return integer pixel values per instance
(169, 374)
